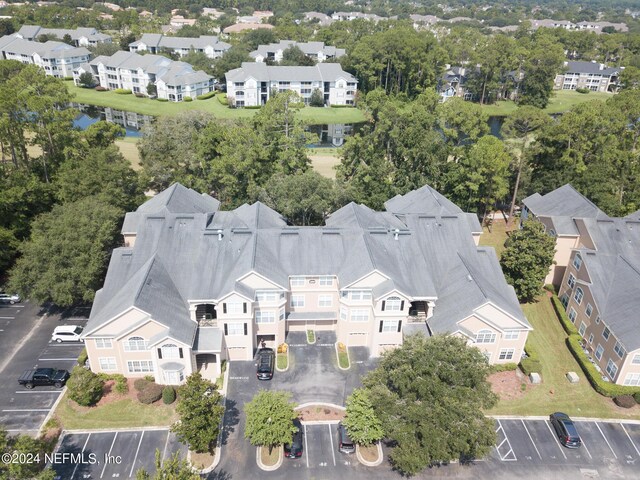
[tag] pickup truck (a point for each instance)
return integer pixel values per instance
(44, 376)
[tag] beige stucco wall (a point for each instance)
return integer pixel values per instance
(628, 367)
(474, 324)
(561, 259)
(121, 323)
(498, 317)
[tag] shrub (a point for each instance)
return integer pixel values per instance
(122, 386)
(100, 88)
(149, 378)
(83, 357)
(85, 387)
(569, 327)
(140, 95)
(342, 106)
(222, 98)
(140, 384)
(122, 91)
(206, 96)
(582, 90)
(503, 367)
(168, 395)
(531, 364)
(152, 393)
(187, 99)
(625, 401)
(163, 99)
(253, 107)
(637, 397)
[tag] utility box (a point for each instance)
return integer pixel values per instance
(573, 377)
(535, 378)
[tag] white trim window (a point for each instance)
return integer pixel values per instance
(108, 364)
(267, 296)
(514, 335)
(135, 344)
(359, 315)
(636, 359)
(389, 325)
(619, 349)
(577, 262)
(170, 350)
(235, 328)
(344, 314)
(234, 308)
(359, 295)
(325, 281)
(632, 380)
(487, 355)
(589, 310)
(140, 366)
(264, 317)
(591, 339)
(599, 352)
(579, 295)
(506, 354)
(297, 301)
(612, 369)
(281, 314)
(325, 300)
(564, 300)
(392, 304)
(606, 333)
(103, 343)
(298, 281)
(598, 320)
(582, 329)
(571, 281)
(485, 336)
(572, 315)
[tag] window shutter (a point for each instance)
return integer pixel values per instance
(399, 326)
(402, 305)
(224, 307)
(160, 353)
(226, 330)
(380, 326)
(383, 304)
(244, 307)
(180, 352)
(245, 328)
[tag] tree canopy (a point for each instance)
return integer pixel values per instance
(270, 418)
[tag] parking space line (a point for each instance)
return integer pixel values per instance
(531, 438)
(585, 447)
(7, 318)
(333, 454)
(133, 465)
(83, 447)
(506, 439)
(31, 392)
(555, 438)
(109, 454)
(306, 447)
(630, 439)
(56, 359)
(28, 410)
(166, 444)
(605, 439)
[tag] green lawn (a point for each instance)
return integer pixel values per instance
(282, 361)
(128, 146)
(561, 101)
(496, 237)
(145, 106)
(556, 393)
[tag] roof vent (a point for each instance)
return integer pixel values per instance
(395, 234)
(219, 232)
(469, 278)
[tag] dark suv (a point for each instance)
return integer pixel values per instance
(294, 449)
(565, 429)
(266, 362)
(345, 444)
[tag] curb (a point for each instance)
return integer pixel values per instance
(218, 450)
(53, 408)
(288, 361)
(367, 463)
(338, 357)
(579, 419)
(325, 404)
(315, 337)
(271, 468)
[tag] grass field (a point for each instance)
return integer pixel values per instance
(145, 106)
(129, 148)
(324, 160)
(561, 101)
(496, 237)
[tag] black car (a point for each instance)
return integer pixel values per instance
(266, 363)
(294, 449)
(565, 429)
(345, 444)
(44, 376)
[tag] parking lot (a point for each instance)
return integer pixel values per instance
(113, 454)
(25, 336)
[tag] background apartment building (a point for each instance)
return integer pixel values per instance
(317, 51)
(590, 75)
(154, 43)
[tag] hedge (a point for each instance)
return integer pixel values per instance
(253, 107)
(140, 384)
(532, 363)
(163, 99)
(122, 91)
(83, 357)
(206, 96)
(637, 396)
(569, 327)
(222, 98)
(503, 367)
(187, 99)
(151, 393)
(342, 106)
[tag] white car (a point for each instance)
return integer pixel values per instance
(67, 333)
(7, 298)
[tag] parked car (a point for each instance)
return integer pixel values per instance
(67, 333)
(294, 449)
(9, 298)
(44, 376)
(565, 429)
(266, 363)
(345, 444)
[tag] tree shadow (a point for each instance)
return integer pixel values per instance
(219, 475)
(230, 420)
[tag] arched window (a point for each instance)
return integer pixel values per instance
(169, 350)
(392, 304)
(578, 295)
(485, 336)
(134, 344)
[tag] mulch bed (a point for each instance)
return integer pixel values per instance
(509, 385)
(320, 412)
(369, 453)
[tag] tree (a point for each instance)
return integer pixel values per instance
(317, 98)
(66, 255)
(527, 258)
(172, 468)
(84, 386)
(67, 39)
(9, 248)
(125, 40)
(199, 61)
(103, 134)
(429, 395)
(232, 58)
(462, 123)
(521, 125)
(200, 414)
(26, 445)
(260, 36)
(544, 60)
(270, 418)
(105, 48)
(152, 90)
(630, 78)
(86, 80)
(363, 425)
(294, 56)
(6, 27)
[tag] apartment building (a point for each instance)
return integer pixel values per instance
(317, 51)
(590, 75)
(128, 70)
(595, 27)
(81, 37)
(55, 58)
(154, 43)
(253, 83)
(194, 285)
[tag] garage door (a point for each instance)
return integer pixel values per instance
(237, 353)
(357, 340)
(325, 324)
(298, 326)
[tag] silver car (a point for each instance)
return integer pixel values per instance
(11, 299)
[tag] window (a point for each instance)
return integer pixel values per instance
(325, 300)
(591, 339)
(506, 354)
(238, 84)
(578, 296)
(297, 281)
(606, 332)
(583, 328)
(632, 379)
(588, 310)
(360, 295)
(267, 296)
(636, 359)
(564, 300)
(282, 314)
(107, 363)
(134, 344)
(343, 313)
(485, 336)
(326, 281)
(577, 262)
(235, 328)
(571, 281)
(103, 343)
(389, 326)
(598, 320)
(169, 350)
(599, 351)
(511, 335)
(619, 349)
(265, 317)
(359, 315)
(140, 366)
(392, 304)
(612, 369)
(234, 307)
(297, 300)
(572, 315)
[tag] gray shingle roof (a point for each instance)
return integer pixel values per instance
(564, 201)
(208, 339)
(590, 67)
(424, 200)
(49, 49)
(309, 48)
(322, 72)
(161, 41)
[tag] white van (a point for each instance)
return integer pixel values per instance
(67, 333)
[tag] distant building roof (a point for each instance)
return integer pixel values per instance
(308, 48)
(240, 27)
(324, 72)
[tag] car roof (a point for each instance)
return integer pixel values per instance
(66, 328)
